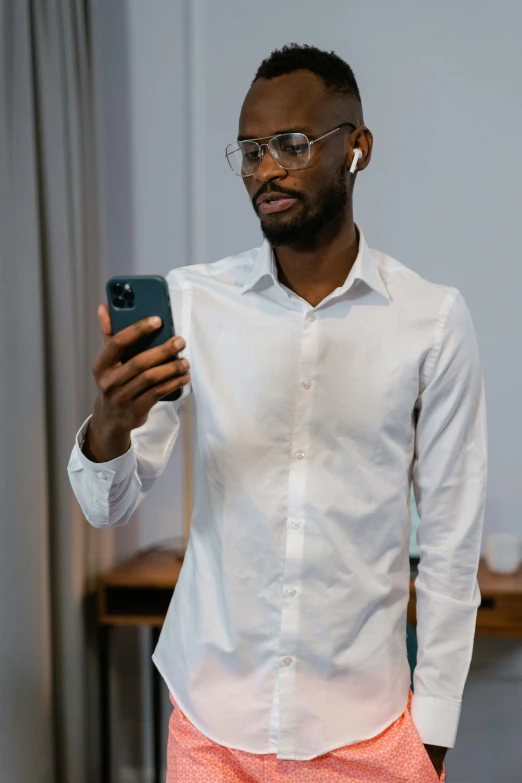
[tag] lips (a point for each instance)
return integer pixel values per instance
(269, 203)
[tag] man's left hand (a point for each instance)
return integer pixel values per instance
(436, 754)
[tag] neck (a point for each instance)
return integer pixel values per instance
(316, 270)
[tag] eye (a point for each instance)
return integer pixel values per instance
(250, 152)
(294, 149)
(292, 145)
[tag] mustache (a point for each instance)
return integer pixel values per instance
(272, 188)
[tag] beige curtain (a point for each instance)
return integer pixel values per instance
(51, 281)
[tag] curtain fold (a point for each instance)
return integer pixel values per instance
(52, 273)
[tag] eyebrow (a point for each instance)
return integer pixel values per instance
(306, 131)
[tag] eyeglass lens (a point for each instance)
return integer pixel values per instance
(289, 150)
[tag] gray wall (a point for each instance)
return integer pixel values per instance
(441, 86)
(144, 52)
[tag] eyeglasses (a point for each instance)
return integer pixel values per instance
(289, 150)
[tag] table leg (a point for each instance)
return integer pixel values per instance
(105, 702)
(156, 712)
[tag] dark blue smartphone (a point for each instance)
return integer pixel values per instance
(134, 297)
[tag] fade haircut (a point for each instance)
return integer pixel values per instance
(336, 74)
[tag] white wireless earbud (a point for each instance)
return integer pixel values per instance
(357, 155)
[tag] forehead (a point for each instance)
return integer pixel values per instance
(295, 101)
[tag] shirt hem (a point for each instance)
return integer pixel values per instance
(294, 757)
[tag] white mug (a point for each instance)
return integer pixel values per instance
(503, 552)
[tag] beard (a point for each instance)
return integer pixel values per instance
(303, 229)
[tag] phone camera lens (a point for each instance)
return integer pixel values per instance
(128, 295)
(117, 288)
(119, 301)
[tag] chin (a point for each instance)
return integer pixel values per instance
(289, 228)
(275, 219)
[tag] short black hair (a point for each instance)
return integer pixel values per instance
(332, 69)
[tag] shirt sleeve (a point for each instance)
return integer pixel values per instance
(449, 482)
(109, 492)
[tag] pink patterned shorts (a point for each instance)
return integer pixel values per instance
(397, 755)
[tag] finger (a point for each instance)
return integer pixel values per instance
(151, 396)
(153, 377)
(146, 360)
(119, 342)
(105, 322)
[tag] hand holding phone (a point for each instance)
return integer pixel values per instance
(132, 377)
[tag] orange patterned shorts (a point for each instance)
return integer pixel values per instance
(397, 755)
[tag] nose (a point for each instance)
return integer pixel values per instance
(268, 168)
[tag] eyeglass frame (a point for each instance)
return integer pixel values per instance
(311, 142)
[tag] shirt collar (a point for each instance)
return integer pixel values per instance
(365, 268)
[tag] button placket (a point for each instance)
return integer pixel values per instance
(302, 453)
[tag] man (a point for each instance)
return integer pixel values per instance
(327, 378)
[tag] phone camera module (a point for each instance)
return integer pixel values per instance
(122, 295)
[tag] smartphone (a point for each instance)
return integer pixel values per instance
(135, 297)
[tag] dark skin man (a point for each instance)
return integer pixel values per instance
(312, 264)
(307, 216)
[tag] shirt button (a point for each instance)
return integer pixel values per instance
(97, 502)
(299, 454)
(292, 591)
(296, 524)
(307, 385)
(101, 475)
(310, 317)
(287, 661)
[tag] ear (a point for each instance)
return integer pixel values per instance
(361, 139)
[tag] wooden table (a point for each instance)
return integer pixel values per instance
(139, 591)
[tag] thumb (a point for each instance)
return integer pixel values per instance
(105, 322)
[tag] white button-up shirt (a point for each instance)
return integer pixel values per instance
(286, 633)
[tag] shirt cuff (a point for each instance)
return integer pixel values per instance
(436, 720)
(117, 469)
